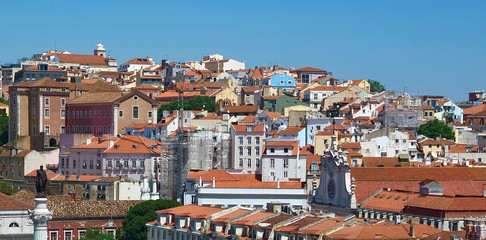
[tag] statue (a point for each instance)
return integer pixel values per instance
(41, 182)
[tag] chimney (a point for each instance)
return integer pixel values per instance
(278, 183)
(110, 144)
(88, 141)
(412, 231)
(164, 63)
(214, 182)
(200, 181)
(78, 177)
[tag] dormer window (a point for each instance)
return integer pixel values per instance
(250, 128)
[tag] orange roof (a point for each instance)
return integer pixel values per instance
(139, 61)
(10, 203)
(336, 127)
(309, 69)
(207, 176)
(243, 128)
(393, 201)
(350, 145)
(255, 73)
(251, 89)
(274, 114)
(230, 215)
(96, 143)
(383, 230)
(319, 227)
(327, 89)
(82, 59)
(353, 153)
(475, 109)
(383, 162)
(145, 87)
(135, 144)
(241, 109)
(447, 203)
(193, 211)
(312, 158)
(248, 119)
(251, 219)
(291, 130)
(36, 68)
(271, 97)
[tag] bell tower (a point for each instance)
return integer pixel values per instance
(100, 50)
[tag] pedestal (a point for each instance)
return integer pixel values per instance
(40, 216)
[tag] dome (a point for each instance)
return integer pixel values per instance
(99, 46)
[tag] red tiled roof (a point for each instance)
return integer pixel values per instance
(274, 114)
(193, 211)
(82, 59)
(393, 201)
(350, 145)
(336, 127)
(242, 128)
(139, 61)
(291, 130)
(248, 119)
(36, 68)
(8, 203)
(251, 89)
(327, 89)
(207, 176)
(308, 69)
(251, 219)
(241, 109)
(135, 144)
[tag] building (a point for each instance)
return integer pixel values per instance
(16, 163)
(109, 112)
(15, 219)
(279, 102)
(306, 75)
(282, 162)
(136, 64)
(279, 80)
(314, 96)
(247, 146)
(37, 72)
(87, 63)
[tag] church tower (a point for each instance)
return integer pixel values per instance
(100, 50)
(336, 187)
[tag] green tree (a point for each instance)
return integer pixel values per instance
(6, 188)
(3, 100)
(376, 86)
(134, 223)
(436, 128)
(96, 234)
(3, 129)
(196, 103)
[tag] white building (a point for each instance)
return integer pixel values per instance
(318, 124)
(136, 64)
(14, 219)
(386, 142)
(281, 161)
(247, 146)
(315, 95)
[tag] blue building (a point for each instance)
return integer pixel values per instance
(279, 80)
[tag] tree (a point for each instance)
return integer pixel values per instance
(376, 86)
(436, 128)
(6, 187)
(96, 234)
(3, 129)
(197, 103)
(3, 100)
(140, 214)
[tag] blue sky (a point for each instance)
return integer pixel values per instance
(418, 46)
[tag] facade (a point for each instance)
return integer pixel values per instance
(109, 112)
(307, 74)
(37, 72)
(136, 64)
(282, 162)
(279, 102)
(16, 163)
(223, 65)
(15, 222)
(314, 96)
(279, 80)
(247, 147)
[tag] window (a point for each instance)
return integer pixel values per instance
(63, 102)
(285, 163)
(68, 235)
(286, 174)
(272, 163)
(14, 224)
(305, 78)
(117, 164)
(134, 164)
(396, 140)
(248, 150)
(272, 150)
(120, 113)
(241, 162)
(47, 129)
(248, 140)
(135, 112)
(142, 164)
(47, 102)
(74, 163)
(81, 233)
(286, 150)
(249, 162)
(257, 151)
(47, 113)
(53, 235)
(63, 113)
(315, 96)
(241, 151)
(108, 163)
(125, 164)
(257, 162)
(257, 140)
(149, 114)
(84, 164)
(240, 140)
(91, 164)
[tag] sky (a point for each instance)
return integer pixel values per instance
(417, 46)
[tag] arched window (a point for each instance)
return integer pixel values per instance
(14, 224)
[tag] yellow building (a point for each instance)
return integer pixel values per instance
(324, 138)
(225, 94)
(431, 146)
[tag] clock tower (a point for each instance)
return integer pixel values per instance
(336, 187)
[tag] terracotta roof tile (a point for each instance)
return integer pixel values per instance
(9, 203)
(291, 130)
(243, 128)
(308, 69)
(82, 59)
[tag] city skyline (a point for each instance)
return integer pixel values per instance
(420, 47)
